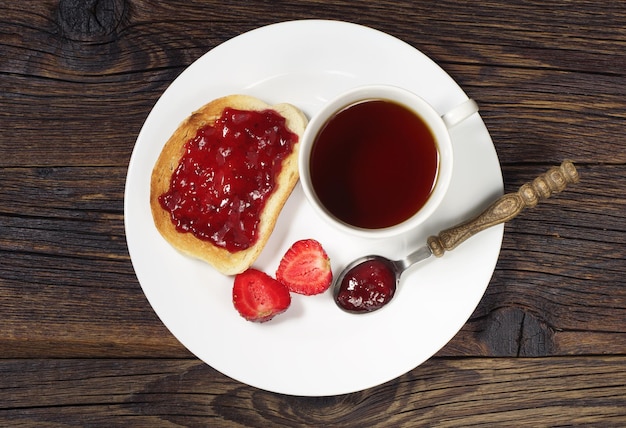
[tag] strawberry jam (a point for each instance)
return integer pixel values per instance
(225, 176)
(367, 287)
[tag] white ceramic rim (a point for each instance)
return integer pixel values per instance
(301, 352)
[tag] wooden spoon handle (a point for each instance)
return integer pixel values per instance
(506, 207)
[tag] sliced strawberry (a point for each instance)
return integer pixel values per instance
(259, 297)
(305, 268)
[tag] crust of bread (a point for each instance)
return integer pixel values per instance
(221, 259)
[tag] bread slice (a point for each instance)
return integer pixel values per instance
(228, 263)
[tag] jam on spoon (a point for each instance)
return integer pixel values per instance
(367, 286)
(370, 282)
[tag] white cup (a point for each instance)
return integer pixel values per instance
(315, 167)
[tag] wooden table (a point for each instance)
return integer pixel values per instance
(81, 346)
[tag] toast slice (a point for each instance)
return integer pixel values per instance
(226, 261)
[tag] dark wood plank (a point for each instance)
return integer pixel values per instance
(67, 286)
(442, 392)
(559, 287)
(72, 217)
(548, 91)
(77, 80)
(62, 240)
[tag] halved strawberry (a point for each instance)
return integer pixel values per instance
(305, 268)
(259, 297)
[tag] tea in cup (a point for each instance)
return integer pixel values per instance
(377, 160)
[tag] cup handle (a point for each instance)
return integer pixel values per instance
(459, 113)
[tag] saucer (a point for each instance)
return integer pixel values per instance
(315, 349)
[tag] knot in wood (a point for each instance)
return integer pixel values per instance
(91, 20)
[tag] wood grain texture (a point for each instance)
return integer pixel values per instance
(81, 346)
(568, 249)
(71, 248)
(443, 392)
(506, 207)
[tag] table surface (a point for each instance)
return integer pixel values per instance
(81, 346)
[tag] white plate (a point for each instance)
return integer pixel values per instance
(315, 349)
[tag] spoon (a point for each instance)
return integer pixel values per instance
(369, 283)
